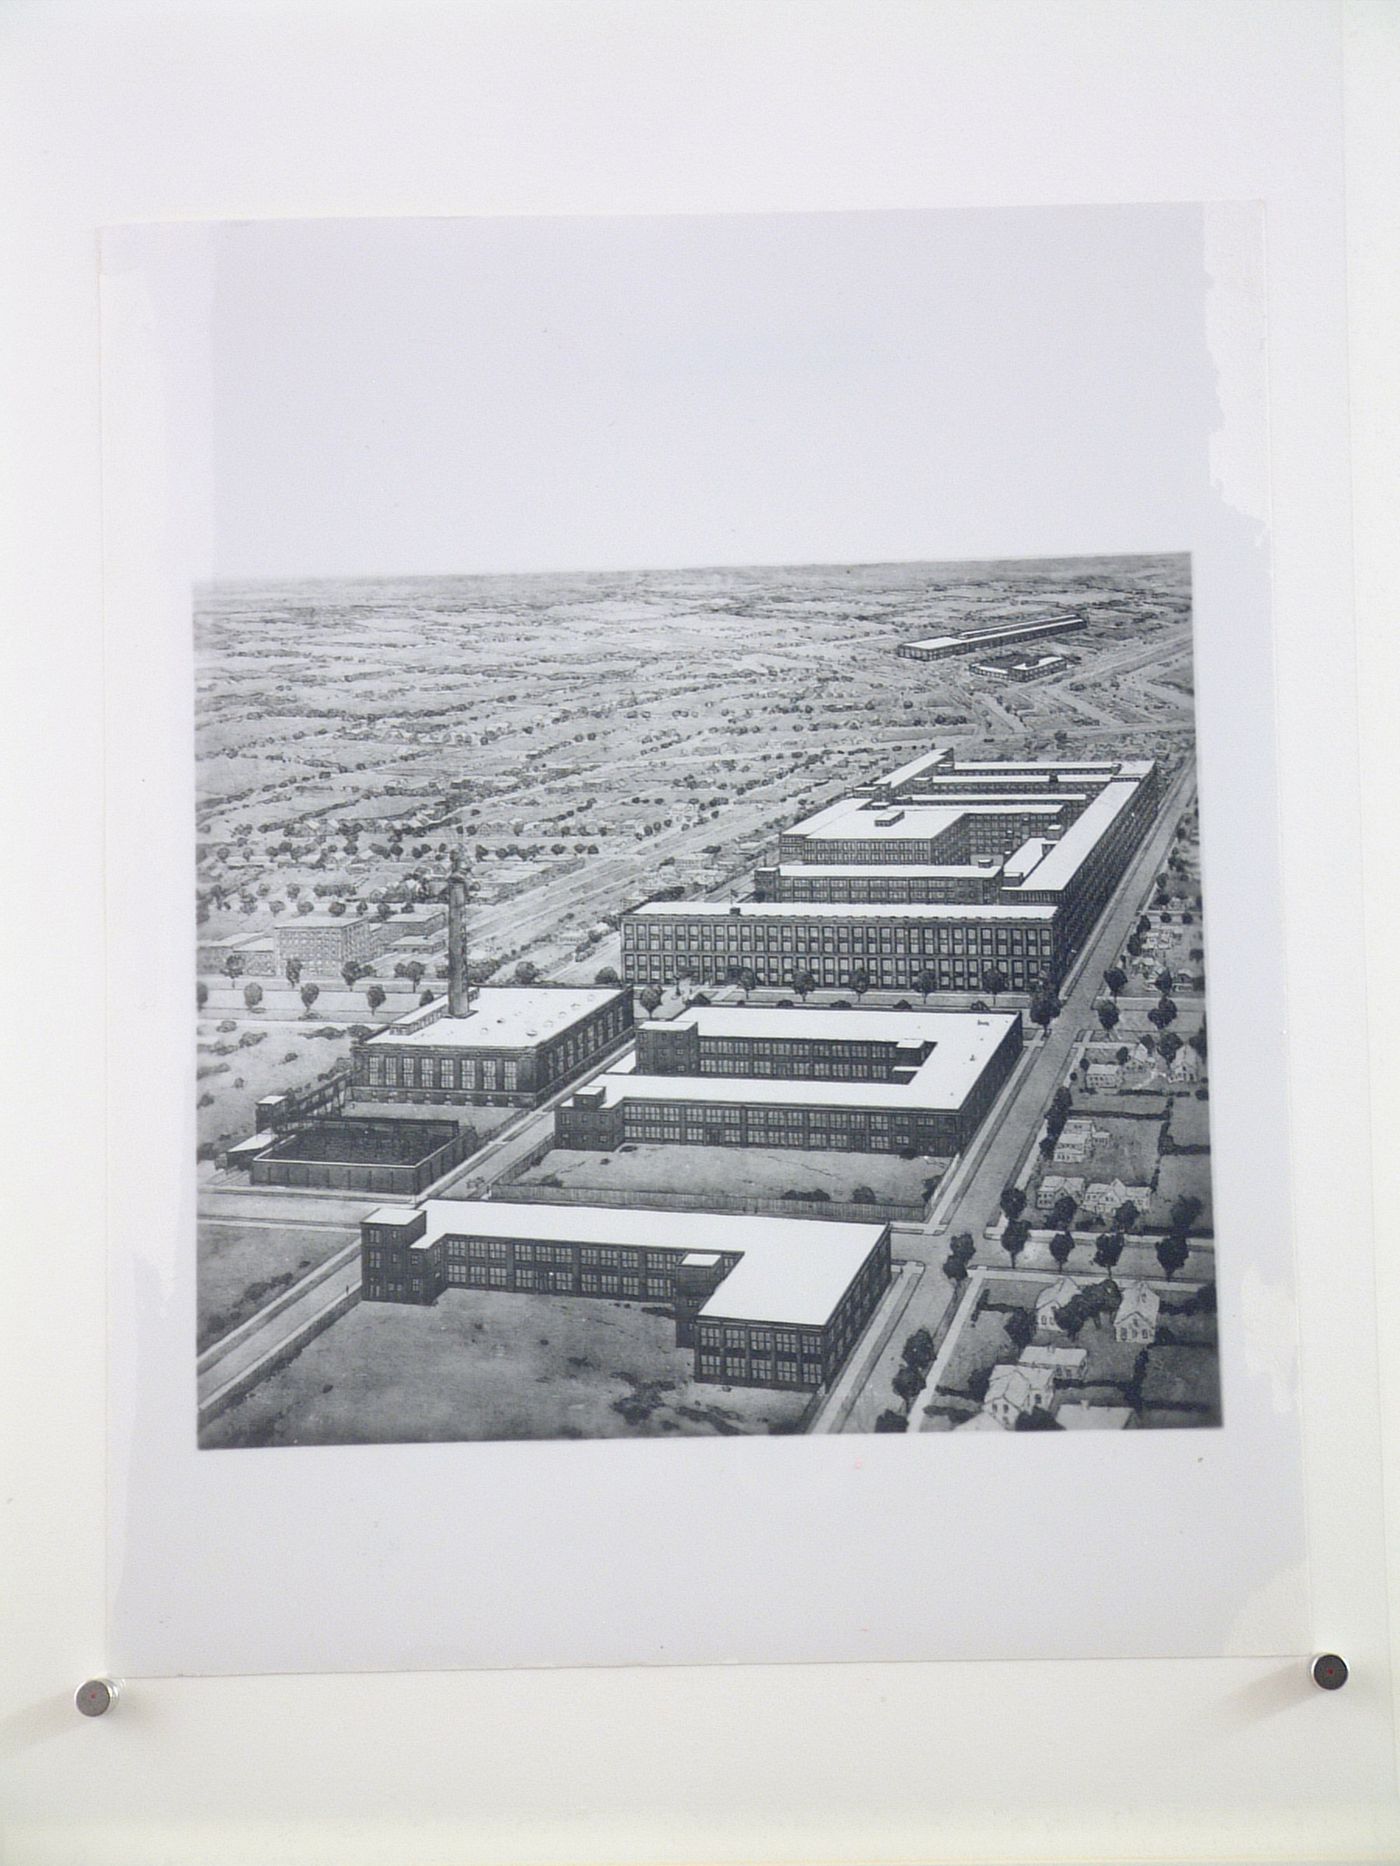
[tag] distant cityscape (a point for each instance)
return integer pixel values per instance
(702, 1002)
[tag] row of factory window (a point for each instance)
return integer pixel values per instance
(765, 938)
(761, 1371)
(758, 1340)
(446, 1072)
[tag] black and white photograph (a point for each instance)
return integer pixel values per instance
(655, 997)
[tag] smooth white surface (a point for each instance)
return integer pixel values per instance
(113, 113)
(1214, 1517)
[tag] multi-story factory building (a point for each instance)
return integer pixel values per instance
(936, 873)
(324, 941)
(504, 1045)
(855, 1081)
(983, 641)
(772, 1302)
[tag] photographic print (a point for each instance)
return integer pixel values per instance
(650, 1001)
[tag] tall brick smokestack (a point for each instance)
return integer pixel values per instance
(458, 987)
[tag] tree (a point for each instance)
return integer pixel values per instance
(1169, 1046)
(374, 997)
(414, 971)
(201, 995)
(384, 911)
(908, 1384)
(1015, 1237)
(1172, 1252)
(1185, 1210)
(954, 1269)
(1133, 946)
(803, 982)
(234, 964)
(918, 1349)
(859, 981)
(1164, 982)
(425, 997)
(252, 994)
(305, 906)
(926, 982)
(962, 1247)
(1144, 926)
(608, 976)
(1061, 1246)
(1198, 1042)
(1020, 1328)
(1126, 1216)
(1108, 1249)
(350, 971)
(337, 908)
(1061, 1104)
(1162, 1013)
(890, 1421)
(309, 995)
(1071, 1316)
(293, 972)
(748, 978)
(1037, 1420)
(1063, 1210)
(1108, 1015)
(650, 998)
(994, 981)
(1115, 978)
(1044, 1009)
(526, 972)
(1013, 1201)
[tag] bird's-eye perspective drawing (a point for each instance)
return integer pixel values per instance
(730, 1001)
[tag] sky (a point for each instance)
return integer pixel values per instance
(430, 397)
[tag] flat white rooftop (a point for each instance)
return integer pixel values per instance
(964, 1043)
(1062, 859)
(501, 1017)
(1005, 631)
(794, 1270)
(819, 871)
(916, 817)
(916, 911)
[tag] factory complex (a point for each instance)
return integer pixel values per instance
(763, 1301)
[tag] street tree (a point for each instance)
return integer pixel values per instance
(293, 971)
(1013, 1201)
(926, 983)
(1186, 1208)
(1126, 1216)
(918, 1349)
(748, 978)
(1108, 1249)
(1164, 982)
(1115, 978)
(804, 982)
(962, 1247)
(234, 964)
(890, 1421)
(859, 981)
(252, 994)
(1044, 1008)
(607, 976)
(908, 1383)
(1061, 1247)
(526, 972)
(1015, 1237)
(201, 994)
(650, 998)
(1063, 1210)
(1172, 1252)
(309, 995)
(994, 981)
(1169, 1047)
(374, 997)
(350, 971)
(1108, 1015)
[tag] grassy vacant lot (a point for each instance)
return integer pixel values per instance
(241, 1266)
(235, 1077)
(487, 1365)
(1183, 1172)
(755, 1172)
(1190, 1126)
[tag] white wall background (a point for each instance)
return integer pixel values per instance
(144, 111)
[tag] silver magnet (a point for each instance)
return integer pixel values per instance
(96, 1696)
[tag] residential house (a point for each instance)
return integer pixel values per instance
(1064, 1363)
(1054, 1297)
(1136, 1319)
(1053, 1185)
(1102, 1198)
(1014, 1391)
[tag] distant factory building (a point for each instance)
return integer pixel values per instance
(764, 1302)
(982, 641)
(858, 1081)
(325, 941)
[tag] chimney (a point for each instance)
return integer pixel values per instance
(458, 987)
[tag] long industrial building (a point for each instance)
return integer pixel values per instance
(855, 1081)
(981, 641)
(769, 1302)
(924, 880)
